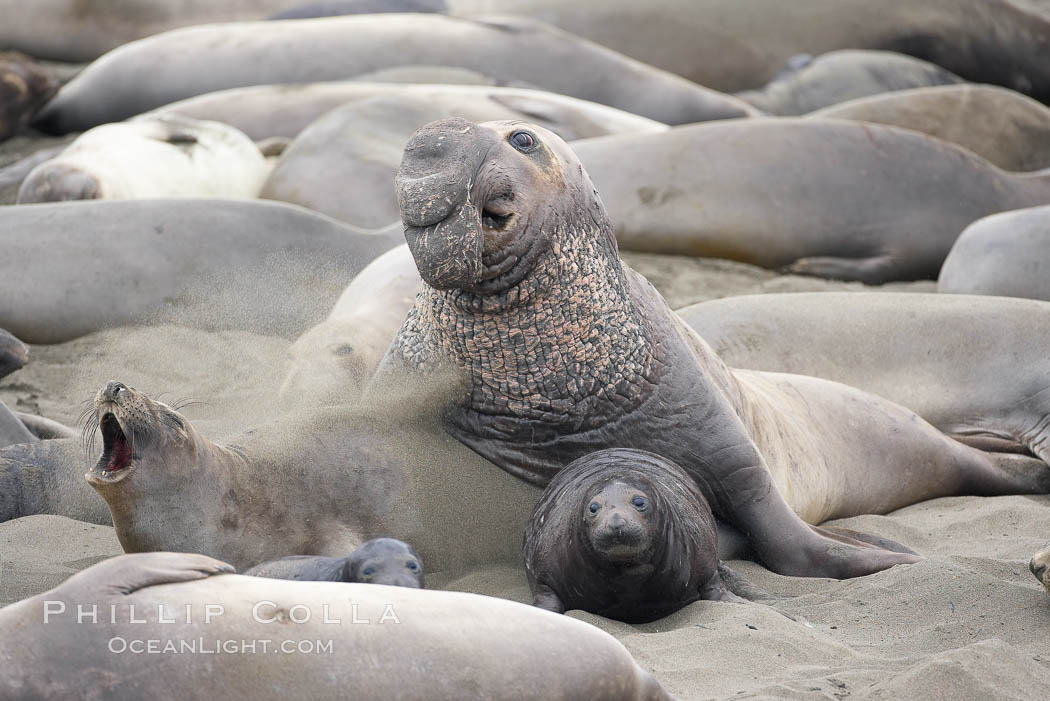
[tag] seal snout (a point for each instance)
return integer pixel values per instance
(59, 182)
(443, 226)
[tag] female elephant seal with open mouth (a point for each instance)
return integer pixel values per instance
(564, 350)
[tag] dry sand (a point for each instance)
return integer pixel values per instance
(969, 622)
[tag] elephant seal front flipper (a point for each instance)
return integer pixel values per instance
(13, 353)
(126, 574)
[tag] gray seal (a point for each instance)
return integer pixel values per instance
(1006, 255)
(844, 75)
(379, 561)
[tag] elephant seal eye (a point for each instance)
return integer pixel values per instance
(593, 508)
(523, 141)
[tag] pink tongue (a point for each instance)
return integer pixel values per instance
(120, 456)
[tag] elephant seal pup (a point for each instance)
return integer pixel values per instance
(974, 367)
(126, 82)
(13, 353)
(1040, 566)
(381, 469)
(562, 351)
(379, 561)
(624, 534)
(211, 263)
(332, 362)
(501, 650)
(332, 168)
(24, 88)
(844, 75)
(150, 157)
(1006, 254)
(890, 209)
(1005, 127)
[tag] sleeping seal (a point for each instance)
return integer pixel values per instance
(331, 641)
(150, 157)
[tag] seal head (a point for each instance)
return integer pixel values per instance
(386, 561)
(625, 534)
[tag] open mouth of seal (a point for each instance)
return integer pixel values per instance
(117, 455)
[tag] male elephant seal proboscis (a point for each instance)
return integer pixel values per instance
(379, 561)
(1006, 254)
(844, 75)
(974, 367)
(24, 88)
(212, 57)
(263, 111)
(318, 482)
(761, 191)
(1040, 566)
(1005, 127)
(342, 164)
(68, 267)
(624, 534)
(564, 351)
(332, 362)
(255, 637)
(151, 157)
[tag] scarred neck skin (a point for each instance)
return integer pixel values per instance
(564, 346)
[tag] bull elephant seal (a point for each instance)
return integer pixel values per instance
(379, 561)
(760, 191)
(563, 351)
(503, 650)
(342, 164)
(974, 367)
(150, 157)
(332, 362)
(624, 534)
(1006, 254)
(208, 263)
(126, 82)
(1040, 566)
(1005, 127)
(24, 88)
(844, 75)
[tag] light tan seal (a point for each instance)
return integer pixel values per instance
(319, 634)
